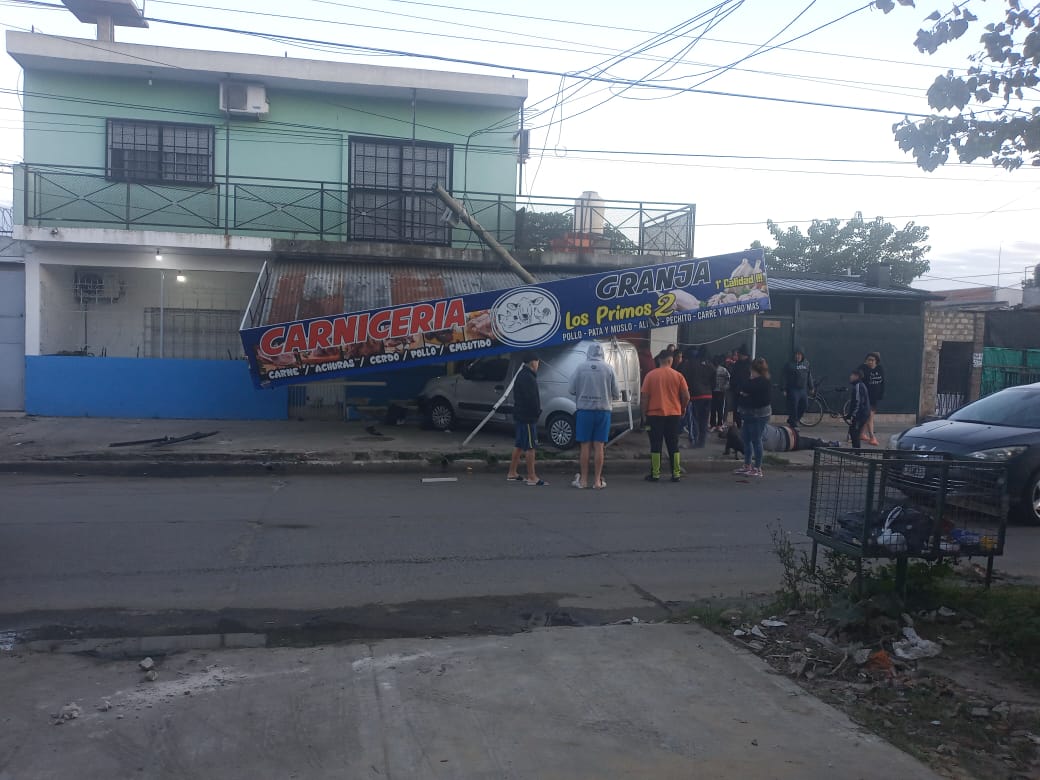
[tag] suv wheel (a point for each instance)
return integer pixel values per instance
(560, 427)
(441, 415)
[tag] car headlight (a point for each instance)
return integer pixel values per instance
(998, 453)
(893, 441)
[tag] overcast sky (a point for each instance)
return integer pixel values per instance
(974, 213)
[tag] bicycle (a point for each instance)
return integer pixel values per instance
(819, 405)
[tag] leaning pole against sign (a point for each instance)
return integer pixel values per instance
(598, 306)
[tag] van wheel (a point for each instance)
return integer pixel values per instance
(560, 427)
(441, 415)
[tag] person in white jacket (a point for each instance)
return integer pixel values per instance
(595, 388)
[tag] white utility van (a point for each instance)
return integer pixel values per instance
(470, 394)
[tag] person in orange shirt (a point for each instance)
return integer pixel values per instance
(664, 397)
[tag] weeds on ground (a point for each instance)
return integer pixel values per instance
(1008, 615)
(804, 586)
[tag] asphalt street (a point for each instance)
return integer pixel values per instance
(388, 554)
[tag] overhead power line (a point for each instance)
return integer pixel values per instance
(512, 68)
(595, 25)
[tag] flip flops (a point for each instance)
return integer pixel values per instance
(517, 478)
(537, 483)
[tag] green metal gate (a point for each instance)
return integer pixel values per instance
(1003, 368)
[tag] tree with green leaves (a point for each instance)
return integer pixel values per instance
(1003, 73)
(537, 229)
(830, 247)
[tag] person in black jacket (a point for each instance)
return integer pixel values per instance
(874, 379)
(739, 375)
(753, 401)
(527, 408)
(859, 406)
(797, 384)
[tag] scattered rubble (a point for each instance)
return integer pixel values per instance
(914, 648)
(890, 679)
(147, 664)
(152, 676)
(65, 714)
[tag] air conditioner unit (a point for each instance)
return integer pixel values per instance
(240, 99)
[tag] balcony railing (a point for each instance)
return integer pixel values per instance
(336, 211)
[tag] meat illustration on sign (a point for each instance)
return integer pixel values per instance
(524, 312)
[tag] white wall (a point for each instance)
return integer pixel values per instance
(116, 325)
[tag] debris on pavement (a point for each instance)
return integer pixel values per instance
(152, 676)
(104, 706)
(66, 713)
(914, 648)
(797, 664)
(147, 664)
(164, 440)
(919, 693)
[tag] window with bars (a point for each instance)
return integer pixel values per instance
(193, 334)
(390, 183)
(159, 152)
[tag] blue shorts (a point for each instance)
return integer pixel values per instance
(592, 425)
(526, 436)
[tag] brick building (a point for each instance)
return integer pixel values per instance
(951, 366)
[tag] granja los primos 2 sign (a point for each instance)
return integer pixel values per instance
(464, 327)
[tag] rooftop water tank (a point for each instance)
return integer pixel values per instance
(589, 213)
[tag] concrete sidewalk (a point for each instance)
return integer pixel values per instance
(82, 445)
(640, 701)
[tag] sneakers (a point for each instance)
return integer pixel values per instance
(652, 478)
(747, 471)
(676, 477)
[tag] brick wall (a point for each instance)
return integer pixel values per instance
(948, 325)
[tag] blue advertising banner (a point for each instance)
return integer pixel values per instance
(612, 303)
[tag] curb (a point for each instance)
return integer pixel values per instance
(294, 467)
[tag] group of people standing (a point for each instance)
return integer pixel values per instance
(688, 387)
(866, 390)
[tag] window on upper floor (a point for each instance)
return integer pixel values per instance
(159, 152)
(390, 183)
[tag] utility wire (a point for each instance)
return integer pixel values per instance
(589, 24)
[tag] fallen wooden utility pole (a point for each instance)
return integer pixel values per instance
(459, 211)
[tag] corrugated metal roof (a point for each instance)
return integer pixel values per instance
(300, 290)
(851, 287)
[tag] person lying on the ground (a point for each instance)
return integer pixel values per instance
(776, 438)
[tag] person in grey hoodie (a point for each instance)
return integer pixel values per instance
(594, 388)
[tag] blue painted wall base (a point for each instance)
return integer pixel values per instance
(128, 387)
